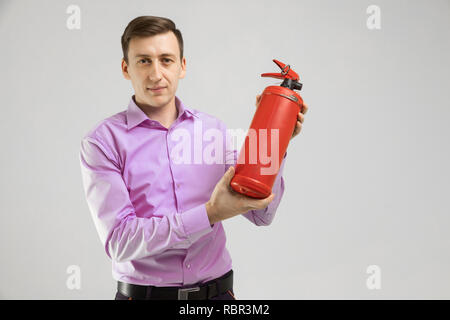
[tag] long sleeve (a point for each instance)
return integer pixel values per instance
(263, 217)
(124, 235)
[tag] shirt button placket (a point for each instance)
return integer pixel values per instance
(173, 168)
(187, 272)
(171, 163)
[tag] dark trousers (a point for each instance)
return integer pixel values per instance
(229, 295)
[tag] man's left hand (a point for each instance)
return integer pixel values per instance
(300, 116)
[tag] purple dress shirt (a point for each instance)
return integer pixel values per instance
(149, 207)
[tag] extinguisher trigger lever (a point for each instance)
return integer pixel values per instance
(289, 76)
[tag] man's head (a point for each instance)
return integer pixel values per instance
(153, 57)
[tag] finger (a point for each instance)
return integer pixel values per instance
(261, 203)
(297, 129)
(301, 117)
(304, 108)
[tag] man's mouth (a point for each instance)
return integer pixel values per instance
(156, 89)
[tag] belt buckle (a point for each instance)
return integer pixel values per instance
(183, 293)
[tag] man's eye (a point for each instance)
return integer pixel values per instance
(146, 60)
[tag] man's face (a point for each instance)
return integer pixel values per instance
(154, 62)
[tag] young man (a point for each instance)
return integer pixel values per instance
(158, 218)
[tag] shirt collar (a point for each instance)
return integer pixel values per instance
(136, 116)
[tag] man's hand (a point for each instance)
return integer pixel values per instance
(226, 203)
(300, 116)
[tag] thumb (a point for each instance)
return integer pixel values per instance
(228, 175)
(258, 98)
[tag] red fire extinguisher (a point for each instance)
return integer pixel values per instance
(270, 131)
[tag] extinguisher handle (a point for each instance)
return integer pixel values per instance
(286, 72)
(273, 75)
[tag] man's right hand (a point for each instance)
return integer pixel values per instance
(226, 203)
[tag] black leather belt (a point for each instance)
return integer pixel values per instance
(202, 291)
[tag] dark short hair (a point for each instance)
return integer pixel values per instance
(147, 26)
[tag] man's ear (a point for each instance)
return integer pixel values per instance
(125, 70)
(183, 68)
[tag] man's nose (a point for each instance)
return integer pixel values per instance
(155, 72)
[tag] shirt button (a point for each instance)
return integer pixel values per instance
(188, 266)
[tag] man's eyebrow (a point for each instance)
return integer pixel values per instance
(161, 55)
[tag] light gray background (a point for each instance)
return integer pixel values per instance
(367, 179)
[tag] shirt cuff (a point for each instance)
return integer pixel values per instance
(196, 223)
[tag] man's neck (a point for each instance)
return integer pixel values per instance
(165, 115)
